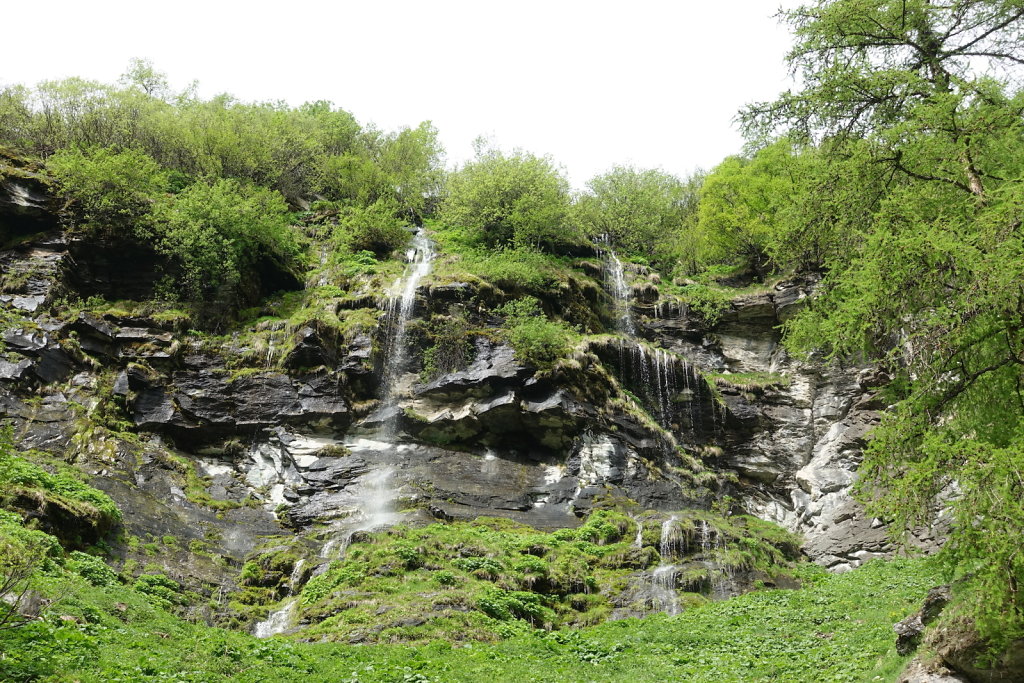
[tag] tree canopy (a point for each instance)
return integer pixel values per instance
(515, 199)
(907, 95)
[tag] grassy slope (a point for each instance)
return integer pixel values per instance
(839, 628)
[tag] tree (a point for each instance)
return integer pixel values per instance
(642, 211)
(906, 91)
(900, 74)
(411, 160)
(143, 75)
(742, 201)
(518, 199)
(217, 232)
(112, 192)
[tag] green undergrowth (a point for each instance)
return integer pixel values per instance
(484, 580)
(55, 498)
(836, 628)
(750, 383)
(511, 271)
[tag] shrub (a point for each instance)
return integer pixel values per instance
(160, 590)
(373, 229)
(217, 232)
(92, 569)
(112, 192)
(537, 340)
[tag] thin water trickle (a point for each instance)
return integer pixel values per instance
(673, 542)
(663, 584)
(296, 575)
(399, 309)
(615, 277)
(277, 621)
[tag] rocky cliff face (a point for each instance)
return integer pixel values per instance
(227, 443)
(801, 424)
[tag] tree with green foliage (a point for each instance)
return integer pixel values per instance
(647, 213)
(217, 232)
(742, 201)
(112, 192)
(931, 287)
(314, 149)
(513, 199)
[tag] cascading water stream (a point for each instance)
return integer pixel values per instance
(372, 495)
(281, 619)
(651, 369)
(622, 293)
(671, 547)
(399, 310)
(711, 541)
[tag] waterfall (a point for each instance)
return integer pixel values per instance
(663, 585)
(399, 310)
(277, 621)
(673, 542)
(369, 502)
(281, 619)
(374, 506)
(652, 374)
(704, 546)
(615, 278)
(712, 540)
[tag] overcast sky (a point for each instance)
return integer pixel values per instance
(655, 83)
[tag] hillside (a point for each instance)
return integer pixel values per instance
(282, 397)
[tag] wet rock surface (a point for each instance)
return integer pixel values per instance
(796, 445)
(222, 456)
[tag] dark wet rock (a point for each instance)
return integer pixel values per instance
(27, 205)
(451, 293)
(493, 366)
(114, 269)
(791, 295)
(908, 631)
(53, 365)
(959, 647)
(310, 350)
(26, 341)
(121, 386)
(928, 670)
(14, 370)
(60, 517)
(201, 402)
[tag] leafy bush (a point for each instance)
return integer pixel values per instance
(506, 605)
(516, 199)
(22, 553)
(537, 340)
(160, 590)
(370, 229)
(217, 232)
(708, 302)
(112, 191)
(92, 569)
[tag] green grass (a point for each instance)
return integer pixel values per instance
(476, 581)
(839, 628)
(749, 382)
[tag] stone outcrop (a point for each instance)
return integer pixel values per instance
(796, 444)
(234, 449)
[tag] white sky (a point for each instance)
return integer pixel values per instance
(655, 83)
